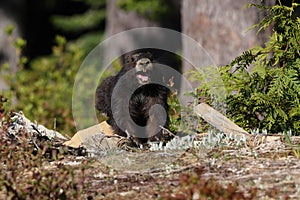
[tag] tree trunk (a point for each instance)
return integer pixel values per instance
(118, 20)
(8, 52)
(220, 27)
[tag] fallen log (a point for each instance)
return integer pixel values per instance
(217, 120)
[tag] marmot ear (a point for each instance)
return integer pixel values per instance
(128, 59)
(149, 55)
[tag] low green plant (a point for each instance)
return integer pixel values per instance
(43, 89)
(263, 84)
(174, 112)
(25, 171)
(295, 148)
(194, 186)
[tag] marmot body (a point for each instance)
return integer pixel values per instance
(133, 97)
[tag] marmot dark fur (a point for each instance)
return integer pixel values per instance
(135, 90)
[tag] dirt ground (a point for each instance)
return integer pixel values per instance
(259, 167)
(268, 170)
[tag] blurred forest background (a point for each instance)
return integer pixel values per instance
(44, 42)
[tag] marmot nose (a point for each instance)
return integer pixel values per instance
(144, 66)
(145, 63)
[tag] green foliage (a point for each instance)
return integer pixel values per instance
(87, 24)
(74, 23)
(208, 91)
(152, 9)
(44, 91)
(9, 29)
(182, 118)
(295, 148)
(4, 115)
(268, 96)
(174, 112)
(20, 43)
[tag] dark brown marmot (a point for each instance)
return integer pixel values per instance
(134, 97)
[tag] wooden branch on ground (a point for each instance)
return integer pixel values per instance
(217, 120)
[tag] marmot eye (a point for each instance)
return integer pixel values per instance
(129, 59)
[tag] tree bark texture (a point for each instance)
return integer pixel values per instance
(220, 27)
(119, 20)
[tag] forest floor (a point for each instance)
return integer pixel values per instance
(206, 166)
(266, 171)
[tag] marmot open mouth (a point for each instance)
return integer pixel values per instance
(143, 77)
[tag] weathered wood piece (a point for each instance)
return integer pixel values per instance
(21, 122)
(217, 120)
(82, 135)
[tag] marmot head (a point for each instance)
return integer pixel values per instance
(142, 62)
